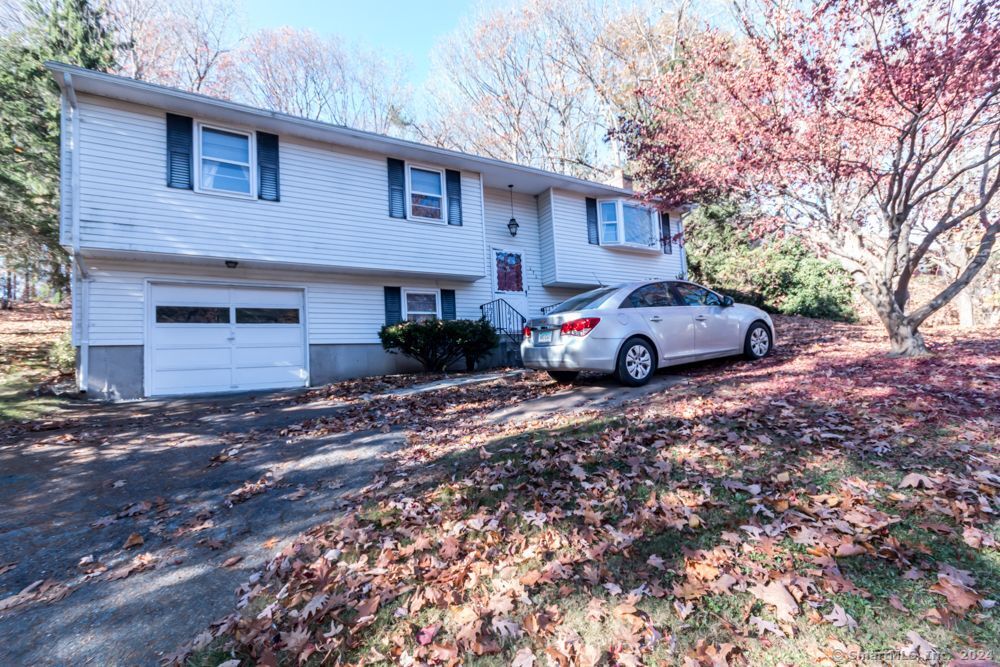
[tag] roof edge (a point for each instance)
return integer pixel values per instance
(126, 83)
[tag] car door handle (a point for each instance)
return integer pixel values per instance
(700, 318)
(656, 318)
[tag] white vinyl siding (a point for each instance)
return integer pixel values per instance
(527, 243)
(546, 238)
(339, 308)
(579, 263)
(333, 211)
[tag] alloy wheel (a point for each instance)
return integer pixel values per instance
(638, 363)
(759, 342)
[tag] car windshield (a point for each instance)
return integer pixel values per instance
(585, 300)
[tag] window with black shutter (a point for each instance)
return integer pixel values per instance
(397, 188)
(593, 238)
(268, 185)
(453, 187)
(180, 158)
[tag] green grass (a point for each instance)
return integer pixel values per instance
(18, 401)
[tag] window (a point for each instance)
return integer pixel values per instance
(509, 272)
(225, 161)
(655, 295)
(627, 224)
(609, 221)
(590, 299)
(693, 295)
(192, 315)
(426, 193)
(267, 316)
(638, 225)
(420, 305)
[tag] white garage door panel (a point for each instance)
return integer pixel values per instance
(192, 381)
(199, 343)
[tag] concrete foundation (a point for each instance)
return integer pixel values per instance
(115, 372)
(329, 363)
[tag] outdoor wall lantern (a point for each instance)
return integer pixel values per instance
(512, 225)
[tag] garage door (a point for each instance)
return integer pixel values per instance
(210, 338)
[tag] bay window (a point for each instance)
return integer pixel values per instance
(627, 224)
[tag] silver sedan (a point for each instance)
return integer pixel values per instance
(633, 329)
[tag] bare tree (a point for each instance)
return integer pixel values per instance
(186, 44)
(301, 73)
(542, 84)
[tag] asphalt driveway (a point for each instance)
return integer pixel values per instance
(125, 529)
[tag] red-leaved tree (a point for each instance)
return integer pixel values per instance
(869, 127)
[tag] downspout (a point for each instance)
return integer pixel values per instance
(684, 257)
(79, 268)
(486, 250)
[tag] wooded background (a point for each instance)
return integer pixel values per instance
(562, 86)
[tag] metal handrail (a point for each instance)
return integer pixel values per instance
(504, 318)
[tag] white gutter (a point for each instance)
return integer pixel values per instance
(172, 99)
(80, 277)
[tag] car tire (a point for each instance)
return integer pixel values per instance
(563, 377)
(636, 363)
(758, 343)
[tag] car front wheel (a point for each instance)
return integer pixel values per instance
(758, 341)
(636, 362)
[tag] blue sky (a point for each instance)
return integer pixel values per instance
(409, 28)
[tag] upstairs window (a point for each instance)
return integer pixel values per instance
(609, 221)
(426, 193)
(225, 161)
(625, 223)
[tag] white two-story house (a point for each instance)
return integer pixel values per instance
(218, 247)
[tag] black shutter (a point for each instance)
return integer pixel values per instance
(665, 235)
(448, 304)
(453, 188)
(267, 167)
(180, 141)
(593, 237)
(393, 305)
(397, 188)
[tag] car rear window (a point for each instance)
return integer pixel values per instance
(585, 300)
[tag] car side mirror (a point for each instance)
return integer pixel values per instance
(727, 301)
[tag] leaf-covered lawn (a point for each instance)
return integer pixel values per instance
(27, 332)
(822, 506)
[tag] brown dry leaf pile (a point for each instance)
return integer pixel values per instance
(789, 511)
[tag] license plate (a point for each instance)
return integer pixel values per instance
(544, 337)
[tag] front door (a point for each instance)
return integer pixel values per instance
(508, 279)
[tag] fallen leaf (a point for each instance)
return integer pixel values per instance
(840, 618)
(916, 481)
(775, 594)
(231, 561)
(134, 540)
(426, 634)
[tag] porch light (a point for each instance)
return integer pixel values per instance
(512, 224)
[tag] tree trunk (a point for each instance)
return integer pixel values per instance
(904, 338)
(906, 341)
(966, 310)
